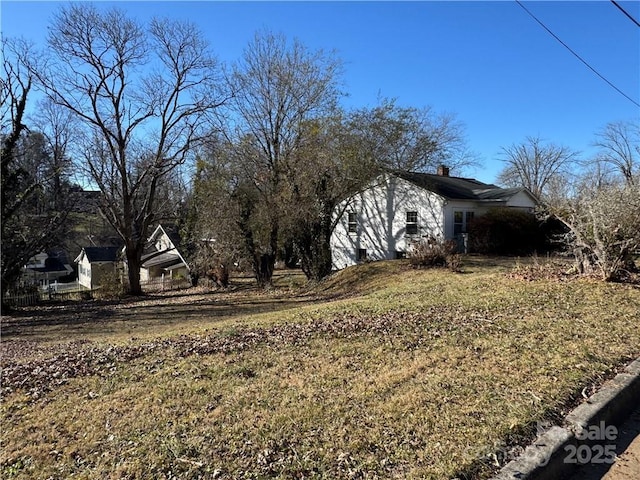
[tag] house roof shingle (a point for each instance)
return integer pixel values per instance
(458, 188)
(101, 254)
(51, 264)
(161, 259)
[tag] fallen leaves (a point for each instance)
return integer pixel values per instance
(404, 329)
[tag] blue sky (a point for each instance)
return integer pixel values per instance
(489, 63)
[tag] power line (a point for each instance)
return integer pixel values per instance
(578, 56)
(625, 12)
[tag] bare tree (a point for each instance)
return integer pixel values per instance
(278, 86)
(533, 164)
(603, 228)
(619, 144)
(28, 226)
(57, 125)
(219, 177)
(411, 139)
(141, 95)
(331, 164)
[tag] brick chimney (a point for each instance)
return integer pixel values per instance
(443, 170)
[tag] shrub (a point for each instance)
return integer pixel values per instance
(604, 230)
(505, 231)
(432, 253)
(111, 287)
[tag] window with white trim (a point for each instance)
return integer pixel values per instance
(461, 221)
(352, 222)
(411, 227)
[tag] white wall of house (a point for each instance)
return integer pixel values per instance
(163, 242)
(145, 275)
(84, 272)
(467, 209)
(381, 221)
(374, 223)
(90, 275)
(522, 200)
(31, 276)
(37, 261)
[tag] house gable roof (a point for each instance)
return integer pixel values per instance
(167, 257)
(169, 232)
(458, 188)
(99, 254)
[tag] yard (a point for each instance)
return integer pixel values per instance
(379, 372)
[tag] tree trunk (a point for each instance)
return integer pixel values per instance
(263, 266)
(134, 262)
(315, 248)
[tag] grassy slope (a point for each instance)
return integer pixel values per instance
(405, 374)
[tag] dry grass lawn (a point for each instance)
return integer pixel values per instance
(379, 372)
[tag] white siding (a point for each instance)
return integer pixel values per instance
(381, 214)
(144, 275)
(522, 200)
(381, 221)
(84, 272)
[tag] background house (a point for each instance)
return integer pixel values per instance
(398, 209)
(95, 263)
(47, 268)
(161, 258)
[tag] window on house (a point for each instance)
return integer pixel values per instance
(361, 254)
(352, 223)
(461, 221)
(412, 223)
(468, 219)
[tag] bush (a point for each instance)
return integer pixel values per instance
(604, 230)
(432, 253)
(111, 288)
(505, 231)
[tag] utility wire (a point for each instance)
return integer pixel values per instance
(625, 12)
(578, 56)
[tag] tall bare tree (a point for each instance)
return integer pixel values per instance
(331, 164)
(533, 164)
(57, 126)
(411, 139)
(279, 86)
(619, 145)
(141, 94)
(29, 225)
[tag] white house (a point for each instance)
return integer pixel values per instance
(398, 209)
(45, 269)
(161, 257)
(94, 263)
